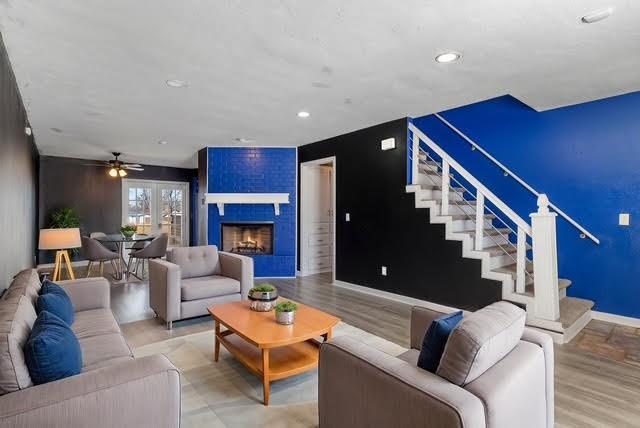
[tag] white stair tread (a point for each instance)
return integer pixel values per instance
(489, 232)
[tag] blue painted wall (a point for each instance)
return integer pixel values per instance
(587, 159)
(257, 170)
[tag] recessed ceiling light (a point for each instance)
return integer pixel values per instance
(597, 15)
(446, 57)
(303, 114)
(163, 142)
(175, 83)
(27, 130)
(245, 140)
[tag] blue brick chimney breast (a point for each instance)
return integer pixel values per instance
(257, 170)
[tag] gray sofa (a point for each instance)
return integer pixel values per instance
(497, 375)
(194, 278)
(113, 389)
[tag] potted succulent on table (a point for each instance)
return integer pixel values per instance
(286, 312)
(128, 230)
(263, 297)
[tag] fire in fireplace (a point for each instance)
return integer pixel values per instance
(247, 238)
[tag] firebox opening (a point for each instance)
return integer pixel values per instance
(247, 238)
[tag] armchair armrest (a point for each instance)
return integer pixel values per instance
(237, 267)
(359, 386)
(139, 393)
(88, 293)
(164, 289)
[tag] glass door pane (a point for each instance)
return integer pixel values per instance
(172, 213)
(139, 208)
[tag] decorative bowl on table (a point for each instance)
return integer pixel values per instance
(286, 312)
(263, 297)
(128, 230)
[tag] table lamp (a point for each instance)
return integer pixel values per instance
(60, 240)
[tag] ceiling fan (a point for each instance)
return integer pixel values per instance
(117, 167)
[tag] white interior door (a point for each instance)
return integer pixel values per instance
(157, 207)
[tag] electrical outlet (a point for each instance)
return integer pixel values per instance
(384, 271)
(623, 219)
(347, 217)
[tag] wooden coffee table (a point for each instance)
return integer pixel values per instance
(269, 350)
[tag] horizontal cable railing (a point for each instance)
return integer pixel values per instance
(584, 233)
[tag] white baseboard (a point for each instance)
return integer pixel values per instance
(274, 277)
(616, 319)
(396, 297)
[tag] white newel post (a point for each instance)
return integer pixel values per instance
(415, 158)
(545, 261)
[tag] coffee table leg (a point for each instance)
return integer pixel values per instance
(216, 347)
(265, 375)
(328, 335)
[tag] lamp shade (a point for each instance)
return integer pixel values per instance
(59, 239)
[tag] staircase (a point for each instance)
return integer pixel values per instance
(522, 256)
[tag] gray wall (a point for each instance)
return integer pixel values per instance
(18, 180)
(96, 197)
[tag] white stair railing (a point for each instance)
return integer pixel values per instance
(541, 231)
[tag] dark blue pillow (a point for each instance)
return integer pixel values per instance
(54, 299)
(52, 351)
(435, 340)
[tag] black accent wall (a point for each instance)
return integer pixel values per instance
(96, 196)
(387, 230)
(18, 179)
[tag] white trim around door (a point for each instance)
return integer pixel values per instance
(305, 194)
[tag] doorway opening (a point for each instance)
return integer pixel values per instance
(317, 216)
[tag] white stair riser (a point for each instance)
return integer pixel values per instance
(502, 260)
(459, 225)
(492, 241)
(436, 195)
(429, 179)
(461, 207)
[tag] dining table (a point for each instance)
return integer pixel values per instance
(121, 242)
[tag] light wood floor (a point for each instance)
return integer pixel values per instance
(593, 389)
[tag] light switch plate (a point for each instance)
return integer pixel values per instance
(347, 217)
(384, 271)
(624, 219)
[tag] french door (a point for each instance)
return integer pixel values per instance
(157, 207)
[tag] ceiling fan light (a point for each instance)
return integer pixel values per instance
(122, 173)
(113, 172)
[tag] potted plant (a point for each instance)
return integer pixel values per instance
(263, 297)
(128, 230)
(286, 312)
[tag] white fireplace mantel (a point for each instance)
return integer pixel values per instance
(220, 199)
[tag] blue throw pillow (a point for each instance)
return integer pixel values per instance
(54, 299)
(435, 340)
(52, 351)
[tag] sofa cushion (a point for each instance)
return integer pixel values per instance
(94, 322)
(208, 286)
(196, 261)
(54, 299)
(481, 339)
(25, 283)
(411, 356)
(97, 350)
(435, 340)
(16, 321)
(52, 351)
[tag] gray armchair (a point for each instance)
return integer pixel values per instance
(194, 278)
(494, 374)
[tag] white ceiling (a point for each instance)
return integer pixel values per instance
(92, 73)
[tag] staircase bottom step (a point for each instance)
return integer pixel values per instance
(575, 314)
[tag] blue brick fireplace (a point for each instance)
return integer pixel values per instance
(256, 170)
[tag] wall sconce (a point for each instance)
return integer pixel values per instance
(388, 144)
